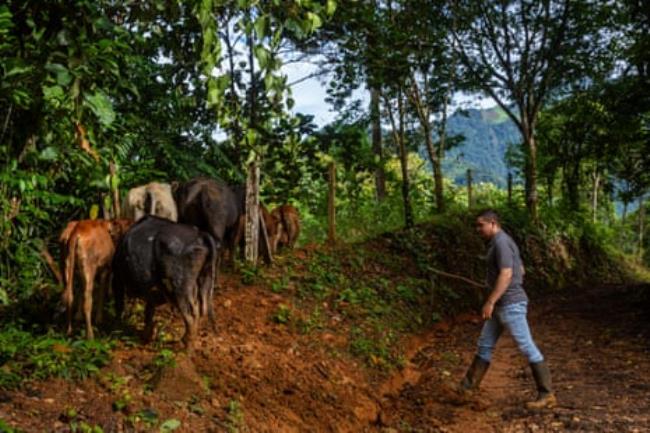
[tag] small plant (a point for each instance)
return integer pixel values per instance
(164, 359)
(281, 284)
(313, 322)
(148, 417)
(249, 273)
(235, 418)
(282, 315)
(375, 349)
(123, 401)
(82, 427)
(194, 405)
(169, 425)
(5, 428)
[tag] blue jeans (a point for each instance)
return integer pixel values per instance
(513, 318)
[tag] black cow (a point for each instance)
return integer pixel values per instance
(161, 261)
(213, 207)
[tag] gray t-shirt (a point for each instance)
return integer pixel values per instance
(504, 253)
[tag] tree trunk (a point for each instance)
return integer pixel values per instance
(252, 123)
(406, 185)
(400, 143)
(435, 155)
(380, 176)
(594, 193)
(641, 228)
(331, 209)
(531, 174)
(442, 133)
(117, 212)
(233, 101)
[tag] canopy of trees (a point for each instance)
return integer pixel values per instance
(171, 90)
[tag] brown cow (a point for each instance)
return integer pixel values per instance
(91, 243)
(288, 226)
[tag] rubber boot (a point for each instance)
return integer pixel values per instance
(474, 375)
(545, 397)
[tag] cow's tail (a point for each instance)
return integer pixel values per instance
(194, 190)
(68, 291)
(287, 226)
(152, 202)
(64, 238)
(210, 280)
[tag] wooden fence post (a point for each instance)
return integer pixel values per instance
(331, 210)
(509, 189)
(252, 213)
(469, 188)
(641, 227)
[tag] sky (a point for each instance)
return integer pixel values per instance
(310, 94)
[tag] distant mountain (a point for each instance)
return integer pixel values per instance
(487, 134)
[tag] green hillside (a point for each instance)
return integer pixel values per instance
(487, 134)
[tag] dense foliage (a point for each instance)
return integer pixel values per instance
(168, 91)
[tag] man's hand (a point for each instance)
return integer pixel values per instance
(487, 311)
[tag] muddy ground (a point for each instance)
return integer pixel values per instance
(258, 375)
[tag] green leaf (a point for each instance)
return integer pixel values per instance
(262, 55)
(170, 425)
(330, 7)
(53, 94)
(269, 81)
(262, 26)
(63, 77)
(49, 154)
(4, 298)
(102, 107)
(94, 212)
(17, 70)
(314, 21)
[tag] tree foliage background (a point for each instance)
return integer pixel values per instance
(171, 90)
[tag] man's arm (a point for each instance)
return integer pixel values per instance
(500, 287)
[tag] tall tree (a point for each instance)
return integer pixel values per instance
(521, 51)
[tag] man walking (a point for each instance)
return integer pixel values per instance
(506, 308)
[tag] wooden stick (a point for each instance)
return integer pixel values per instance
(458, 277)
(52, 264)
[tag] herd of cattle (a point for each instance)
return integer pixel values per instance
(166, 249)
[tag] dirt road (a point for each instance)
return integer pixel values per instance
(597, 342)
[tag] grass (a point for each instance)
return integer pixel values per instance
(26, 356)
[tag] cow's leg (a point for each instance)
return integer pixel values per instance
(208, 282)
(149, 312)
(68, 301)
(118, 293)
(100, 295)
(88, 277)
(155, 298)
(236, 241)
(188, 306)
(294, 229)
(68, 292)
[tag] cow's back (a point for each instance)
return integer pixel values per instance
(211, 206)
